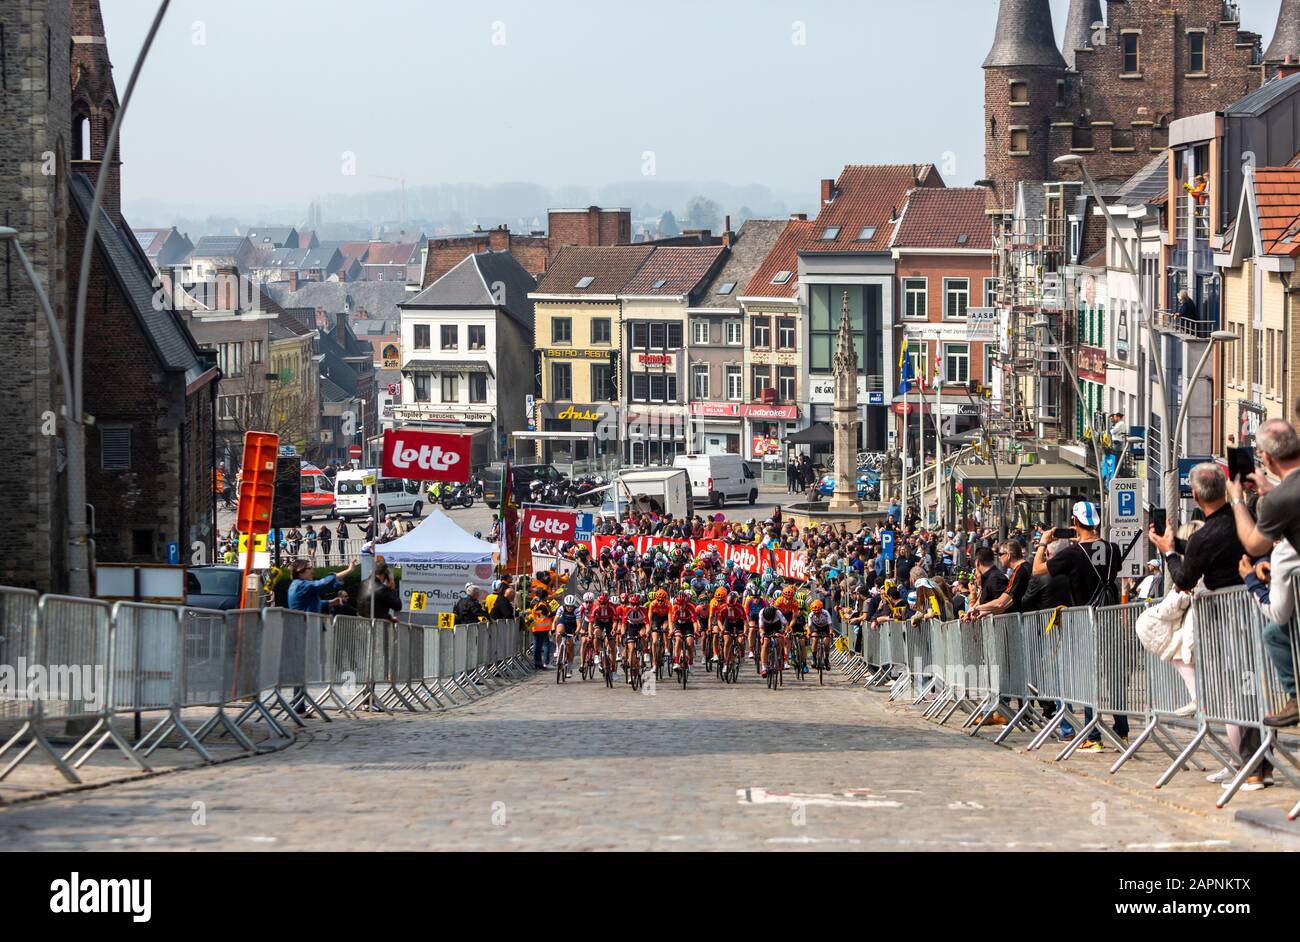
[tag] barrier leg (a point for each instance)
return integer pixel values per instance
(110, 733)
(164, 728)
(1180, 762)
(38, 740)
(1016, 720)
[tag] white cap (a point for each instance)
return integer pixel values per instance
(1086, 513)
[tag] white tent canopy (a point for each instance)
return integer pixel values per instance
(437, 540)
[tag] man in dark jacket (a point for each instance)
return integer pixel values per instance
(469, 608)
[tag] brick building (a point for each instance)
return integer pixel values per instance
(1112, 96)
(590, 226)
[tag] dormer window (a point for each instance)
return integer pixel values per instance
(867, 234)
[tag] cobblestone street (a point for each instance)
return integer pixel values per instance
(580, 767)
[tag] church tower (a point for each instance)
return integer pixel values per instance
(94, 102)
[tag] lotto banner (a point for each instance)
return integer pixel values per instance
(788, 563)
(548, 524)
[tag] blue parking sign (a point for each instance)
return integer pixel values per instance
(1127, 503)
(887, 544)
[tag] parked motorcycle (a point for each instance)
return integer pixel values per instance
(456, 495)
(585, 486)
(555, 493)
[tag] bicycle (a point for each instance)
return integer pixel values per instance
(730, 670)
(822, 656)
(682, 664)
(798, 655)
(608, 665)
(776, 670)
(588, 667)
(635, 675)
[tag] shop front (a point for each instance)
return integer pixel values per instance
(717, 428)
(588, 439)
(655, 434)
(766, 428)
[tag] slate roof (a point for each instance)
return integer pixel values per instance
(326, 259)
(221, 247)
(1263, 98)
(163, 328)
(1145, 185)
(675, 270)
(783, 256)
(378, 298)
(1286, 35)
(287, 259)
(945, 218)
(864, 198)
(752, 244)
(468, 285)
(332, 392)
(1024, 36)
(1078, 27)
(610, 267)
(277, 236)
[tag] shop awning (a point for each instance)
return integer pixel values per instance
(557, 436)
(819, 433)
(1030, 475)
(446, 366)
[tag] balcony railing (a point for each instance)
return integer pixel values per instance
(1231, 12)
(1173, 323)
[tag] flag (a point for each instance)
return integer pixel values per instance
(905, 378)
(507, 515)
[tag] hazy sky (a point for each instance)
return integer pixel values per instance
(249, 101)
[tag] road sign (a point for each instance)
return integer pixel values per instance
(887, 544)
(369, 481)
(1124, 506)
(1134, 564)
(1185, 466)
(354, 451)
(261, 557)
(875, 399)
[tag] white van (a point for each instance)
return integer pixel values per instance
(716, 479)
(394, 495)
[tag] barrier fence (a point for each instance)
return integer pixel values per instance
(89, 664)
(1079, 672)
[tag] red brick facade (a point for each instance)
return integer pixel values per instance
(590, 226)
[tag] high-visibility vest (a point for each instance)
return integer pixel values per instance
(541, 619)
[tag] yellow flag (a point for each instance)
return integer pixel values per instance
(446, 620)
(419, 600)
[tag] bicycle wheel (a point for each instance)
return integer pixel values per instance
(609, 671)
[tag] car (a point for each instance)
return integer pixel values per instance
(393, 495)
(868, 485)
(216, 587)
(523, 475)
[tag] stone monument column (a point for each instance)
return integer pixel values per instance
(846, 422)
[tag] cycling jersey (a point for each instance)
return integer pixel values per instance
(683, 617)
(634, 618)
(753, 607)
(659, 612)
(732, 617)
(820, 622)
(566, 620)
(603, 615)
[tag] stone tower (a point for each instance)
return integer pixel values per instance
(1022, 95)
(845, 423)
(1286, 38)
(1078, 27)
(35, 126)
(94, 102)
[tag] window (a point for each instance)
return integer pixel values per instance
(782, 277)
(450, 387)
(422, 337)
(915, 297)
(824, 305)
(584, 282)
(230, 357)
(602, 382)
(785, 333)
(561, 382)
(601, 330)
(761, 378)
(562, 330)
(1272, 364)
(228, 407)
(735, 332)
(640, 387)
(449, 336)
(956, 296)
(1121, 138)
(956, 366)
(700, 381)
(867, 233)
(990, 363)
(990, 292)
(1196, 53)
(674, 336)
(423, 387)
(1019, 93)
(255, 351)
(1129, 45)
(640, 336)
(700, 331)
(1020, 140)
(115, 447)
(477, 336)
(761, 333)
(727, 288)
(142, 543)
(785, 383)
(830, 233)
(1060, 93)
(654, 387)
(478, 387)
(735, 383)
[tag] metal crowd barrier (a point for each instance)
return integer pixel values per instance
(91, 664)
(1081, 659)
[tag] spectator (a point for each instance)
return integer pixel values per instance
(311, 543)
(469, 607)
(305, 592)
(992, 583)
(1011, 598)
(387, 600)
(326, 540)
(1152, 585)
(1270, 581)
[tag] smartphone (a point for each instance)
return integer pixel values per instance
(1158, 519)
(1241, 463)
(1064, 533)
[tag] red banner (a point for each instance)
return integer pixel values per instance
(789, 564)
(542, 524)
(426, 456)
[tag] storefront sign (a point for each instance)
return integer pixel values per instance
(717, 410)
(574, 414)
(788, 413)
(948, 409)
(655, 361)
(529, 404)
(765, 446)
(981, 323)
(415, 414)
(567, 353)
(823, 391)
(392, 356)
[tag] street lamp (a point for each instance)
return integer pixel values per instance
(1169, 445)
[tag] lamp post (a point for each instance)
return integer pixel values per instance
(1169, 445)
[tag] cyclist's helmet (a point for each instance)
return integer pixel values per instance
(615, 599)
(788, 591)
(818, 605)
(589, 597)
(733, 598)
(634, 601)
(769, 616)
(602, 599)
(720, 593)
(570, 601)
(661, 594)
(682, 598)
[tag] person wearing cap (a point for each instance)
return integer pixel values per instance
(468, 608)
(1152, 585)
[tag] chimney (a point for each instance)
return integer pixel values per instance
(828, 190)
(728, 237)
(1288, 67)
(799, 217)
(593, 225)
(293, 279)
(227, 288)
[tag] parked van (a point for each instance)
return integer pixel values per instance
(393, 495)
(317, 493)
(715, 479)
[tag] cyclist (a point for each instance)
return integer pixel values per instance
(633, 620)
(602, 616)
(658, 611)
(821, 623)
(788, 605)
(683, 618)
(566, 627)
(709, 625)
(771, 623)
(730, 622)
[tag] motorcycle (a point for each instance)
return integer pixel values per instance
(456, 495)
(555, 493)
(585, 487)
